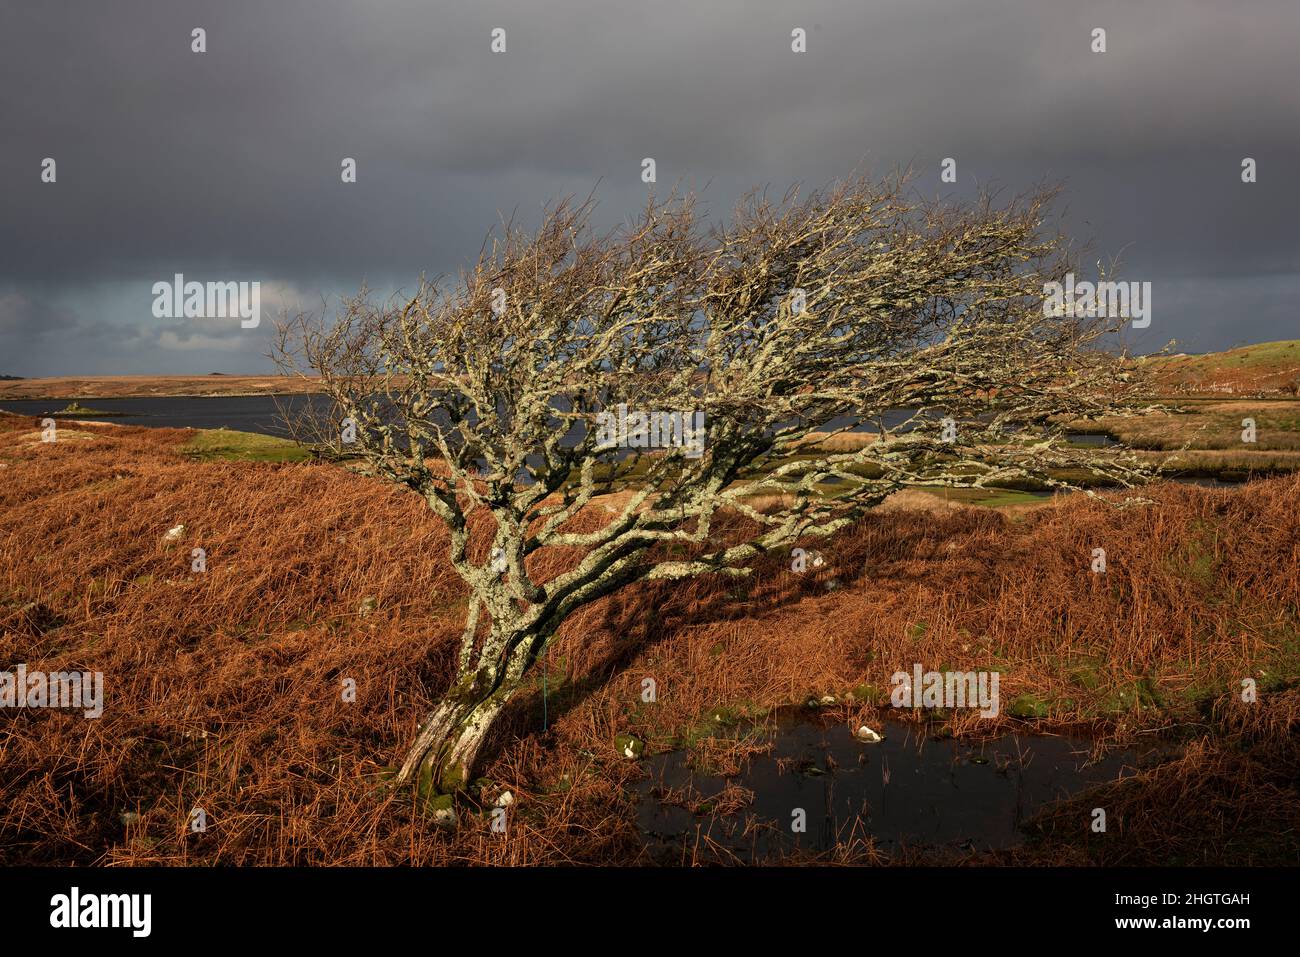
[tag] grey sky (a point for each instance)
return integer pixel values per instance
(225, 165)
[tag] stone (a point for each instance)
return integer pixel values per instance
(629, 746)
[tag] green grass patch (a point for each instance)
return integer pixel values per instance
(985, 497)
(1028, 706)
(210, 444)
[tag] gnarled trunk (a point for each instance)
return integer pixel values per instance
(446, 751)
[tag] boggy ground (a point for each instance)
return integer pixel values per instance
(223, 689)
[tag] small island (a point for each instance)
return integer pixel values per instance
(73, 410)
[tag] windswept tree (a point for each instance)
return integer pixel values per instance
(672, 399)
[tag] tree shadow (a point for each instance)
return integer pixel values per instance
(880, 546)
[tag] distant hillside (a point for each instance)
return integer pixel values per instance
(134, 386)
(1265, 368)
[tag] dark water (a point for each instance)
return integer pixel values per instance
(909, 790)
(1092, 438)
(244, 413)
(262, 413)
(1205, 482)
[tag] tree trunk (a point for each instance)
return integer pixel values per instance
(446, 750)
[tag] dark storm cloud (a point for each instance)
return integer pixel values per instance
(225, 165)
(23, 318)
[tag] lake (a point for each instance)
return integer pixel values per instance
(244, 413)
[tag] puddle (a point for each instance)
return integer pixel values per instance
(1212, 482)
(1092, 438)
(909, 790)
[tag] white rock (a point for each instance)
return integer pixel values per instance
(173, 533)
(866, 734)
(505, 800)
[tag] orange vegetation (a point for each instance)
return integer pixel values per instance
(223, 688)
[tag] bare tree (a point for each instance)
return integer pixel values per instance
(615, 395)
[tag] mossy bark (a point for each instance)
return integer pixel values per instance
(446, 751)
(445, 754)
